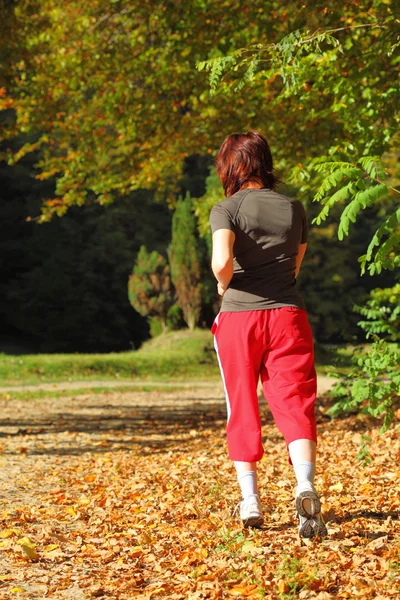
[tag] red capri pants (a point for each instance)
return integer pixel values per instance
(277, 345)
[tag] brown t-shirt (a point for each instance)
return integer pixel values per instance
(268, 230)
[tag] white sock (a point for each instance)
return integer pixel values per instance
(304, 472)
(248, 483)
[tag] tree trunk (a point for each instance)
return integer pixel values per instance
(190, 319)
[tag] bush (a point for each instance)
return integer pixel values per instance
(149, 288)
(382, 313)
(373, 387)
(185, 263)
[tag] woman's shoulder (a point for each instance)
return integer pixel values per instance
(295, 202)
(229, 204)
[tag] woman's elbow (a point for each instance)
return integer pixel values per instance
(220, 267)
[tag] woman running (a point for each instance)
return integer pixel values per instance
(262, 330)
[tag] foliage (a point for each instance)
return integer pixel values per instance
(113, 90)
(174, 321)
(349, 95)
(331, 284)
(203, 205)
(294, 577)
(363, 454)
(184, 261)
(345, 93)
(109, 93)
(364, 187)
(106, 100)
(149, 288)
(382, 313)
(373, 386)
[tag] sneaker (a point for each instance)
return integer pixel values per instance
(251, 511)
(308, 507)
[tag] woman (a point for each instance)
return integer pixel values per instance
(262, 330)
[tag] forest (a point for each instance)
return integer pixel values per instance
(100, 141)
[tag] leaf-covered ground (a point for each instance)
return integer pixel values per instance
(130, 495)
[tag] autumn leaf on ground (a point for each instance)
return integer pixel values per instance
(27, 548)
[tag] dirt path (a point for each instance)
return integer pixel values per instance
(324, 385)
(130, 495)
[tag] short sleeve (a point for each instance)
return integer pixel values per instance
(304, 225)
(220, 218)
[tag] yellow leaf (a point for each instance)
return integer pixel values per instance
(7, 533)
(146, 538)
(282, 587)
(51, 547)
(346, 499)
(242, 590)
(70, 511)
(136, 551)
(14, 590)
(338, 487)
(28, 548)
(158, 590)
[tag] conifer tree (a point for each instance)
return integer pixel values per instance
(149, 288)
(185, 261)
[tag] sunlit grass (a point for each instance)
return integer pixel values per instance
(177, 355)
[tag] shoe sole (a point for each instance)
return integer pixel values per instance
(315, 504)
(314, 525)
(255, 522)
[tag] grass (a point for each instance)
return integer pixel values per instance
(177, 355)
(294, 577)
(86, 391)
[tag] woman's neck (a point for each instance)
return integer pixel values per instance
(254, 185)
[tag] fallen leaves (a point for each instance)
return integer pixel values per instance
(154, 520)
(244, 590)
(27, 548)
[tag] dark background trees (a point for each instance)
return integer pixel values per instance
(64, 283)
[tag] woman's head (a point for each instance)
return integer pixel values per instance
(243, 159)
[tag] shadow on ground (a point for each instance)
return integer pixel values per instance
(146, 421)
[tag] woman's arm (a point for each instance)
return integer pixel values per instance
(222, 258)
(299, 258)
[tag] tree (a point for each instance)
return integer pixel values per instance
(113, 90)
(111, 96)
(63, 284)
(341, 82)
(149, 288)
(185, 262)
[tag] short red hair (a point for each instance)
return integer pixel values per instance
(242, 158)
